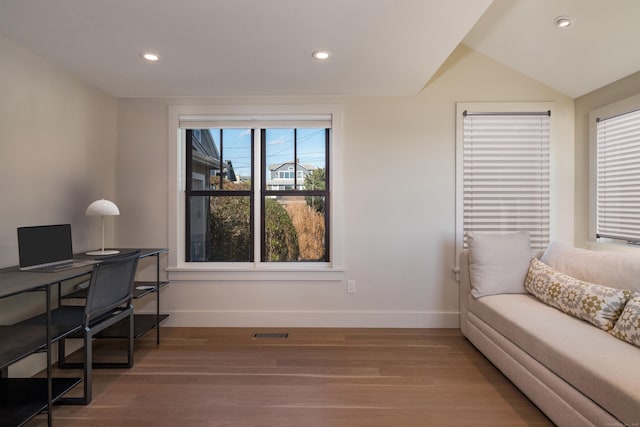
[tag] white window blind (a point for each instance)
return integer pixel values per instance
(506, 174)
(618, 177)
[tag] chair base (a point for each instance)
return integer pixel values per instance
(72, 401)
(87, 365)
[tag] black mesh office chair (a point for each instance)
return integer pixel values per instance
(108, 301)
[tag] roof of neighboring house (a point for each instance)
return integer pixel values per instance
(206, 153)
(304, 166)
(206, 147)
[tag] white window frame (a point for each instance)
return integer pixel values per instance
(179, 269)
(617, 108)
(493, 107)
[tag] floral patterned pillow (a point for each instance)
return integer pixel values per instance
(628, 325)
(597, 304)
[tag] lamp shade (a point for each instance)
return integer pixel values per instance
(103, 208)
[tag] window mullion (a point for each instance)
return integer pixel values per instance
(295, 159)
(187, 204)
(221, 167)
(258, 198)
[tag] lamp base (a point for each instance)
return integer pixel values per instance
(103, 252)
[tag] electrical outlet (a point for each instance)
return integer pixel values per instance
(351, 286)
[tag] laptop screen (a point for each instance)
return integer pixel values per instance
(44, 244)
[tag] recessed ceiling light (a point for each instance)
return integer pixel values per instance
(321, 55)
(151, 57)
(563, 22)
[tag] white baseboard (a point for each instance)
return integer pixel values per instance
(333, 319)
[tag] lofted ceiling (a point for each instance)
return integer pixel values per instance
(263, 47)
(600, 47)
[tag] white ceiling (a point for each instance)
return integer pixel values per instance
(263, 47)
(599, 48)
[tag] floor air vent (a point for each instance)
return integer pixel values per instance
(270, 335)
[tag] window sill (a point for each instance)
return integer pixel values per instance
(262, 273)
(612, 246)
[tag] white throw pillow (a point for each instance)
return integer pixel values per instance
(498, 262)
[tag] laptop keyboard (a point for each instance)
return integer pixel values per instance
(62, 266)
(56, 267)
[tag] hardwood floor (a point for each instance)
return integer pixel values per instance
(315, 377)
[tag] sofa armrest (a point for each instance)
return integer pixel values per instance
(464, 290)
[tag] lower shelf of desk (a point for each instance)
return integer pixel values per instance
(21, 399)
(142, 323)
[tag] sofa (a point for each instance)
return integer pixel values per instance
(574, 370)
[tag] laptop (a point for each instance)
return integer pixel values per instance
(47, 248)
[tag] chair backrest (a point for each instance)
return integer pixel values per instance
(111, 285)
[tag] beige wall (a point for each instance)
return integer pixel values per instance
(58, 149)
(399, 203)
(614, 92)
(57, 154)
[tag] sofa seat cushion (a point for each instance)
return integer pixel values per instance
(599, 365)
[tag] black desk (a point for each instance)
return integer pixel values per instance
(23, 398)
(13, 281)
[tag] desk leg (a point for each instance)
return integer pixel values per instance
(157, 300)
(49, 368)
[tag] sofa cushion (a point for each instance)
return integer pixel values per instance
(615, 269)
(597, 304)
(627, 327)
(498, 262)
(591, 360)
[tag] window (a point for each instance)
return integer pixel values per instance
(262, 125)
(617, 171)
(300, 206)
(220, 209)
(503, 170)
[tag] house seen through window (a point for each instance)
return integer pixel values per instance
(258, 193)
